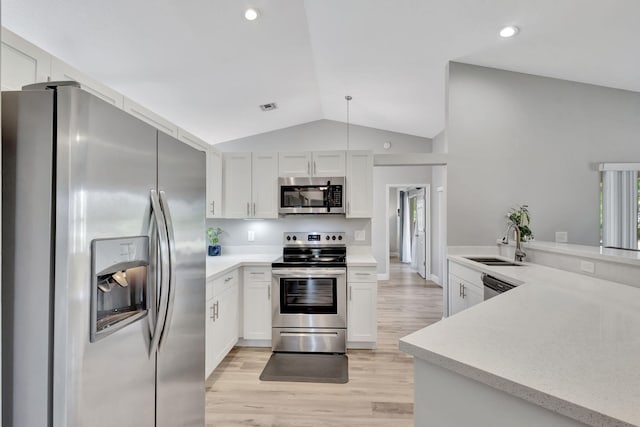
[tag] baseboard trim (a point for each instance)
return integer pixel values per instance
(383, 276)
(436, 279)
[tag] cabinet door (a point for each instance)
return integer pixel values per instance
(294, 164)
(225, 326)
(150, 117)
(456, 301)
(359, 184)
(328, 163)
(22, 62)
(64, 71)
(192, 140)
(472, 295)
(210, 339)
(361, 312)
(257, 310)
(264, 185)
(214, 183)
(237, 185)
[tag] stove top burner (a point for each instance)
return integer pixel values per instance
(313, 250)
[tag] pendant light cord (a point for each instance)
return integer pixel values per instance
(348, 99)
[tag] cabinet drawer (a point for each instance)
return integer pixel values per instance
(257, 274)
(224, 282)
(362, 274)
(468, 274)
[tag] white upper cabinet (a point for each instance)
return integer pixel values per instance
(61, 71)
(294, 164)
(317, 163)
(22, 62)
(236, 179)
(359, 184)
(214, 183)
(264, 185)
(150, 117)
(328, 163)
(192, 140)
(250, 185)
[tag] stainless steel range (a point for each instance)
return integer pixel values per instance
(309, 289)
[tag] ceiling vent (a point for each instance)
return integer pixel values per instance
(268, 107)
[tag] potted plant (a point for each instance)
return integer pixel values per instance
(520, 218)
(213, 234)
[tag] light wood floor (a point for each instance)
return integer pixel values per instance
(380, 388)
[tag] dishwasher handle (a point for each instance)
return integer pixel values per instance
(496, 284)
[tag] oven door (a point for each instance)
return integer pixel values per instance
(311, 195)
(309, 298)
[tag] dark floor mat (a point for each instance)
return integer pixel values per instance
(307, 367)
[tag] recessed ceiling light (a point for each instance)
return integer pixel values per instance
(509, 31)
(251, 14)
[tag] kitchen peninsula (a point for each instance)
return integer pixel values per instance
(561, 349)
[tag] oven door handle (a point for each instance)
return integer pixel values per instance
(316, 272)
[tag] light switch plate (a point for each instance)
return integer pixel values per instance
(359, 235)
(562, 237)
(251, 235)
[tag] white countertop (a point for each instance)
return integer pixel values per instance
(620, 256)
(567, 342)
(218, 265)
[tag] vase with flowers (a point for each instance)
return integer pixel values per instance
(213, 234)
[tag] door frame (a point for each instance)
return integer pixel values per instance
(427, 228)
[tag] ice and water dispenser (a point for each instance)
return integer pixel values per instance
(119, 283)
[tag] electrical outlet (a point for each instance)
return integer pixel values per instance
(562, 237)
(359, 235)
(251, 235)
(588, 267)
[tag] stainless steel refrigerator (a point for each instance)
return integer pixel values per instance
(103, 263)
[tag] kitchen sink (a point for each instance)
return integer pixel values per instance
(493, 261)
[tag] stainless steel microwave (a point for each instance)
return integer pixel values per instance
(304, 195)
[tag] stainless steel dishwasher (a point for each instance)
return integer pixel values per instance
(494, 286)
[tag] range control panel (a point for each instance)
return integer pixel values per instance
(315, 239)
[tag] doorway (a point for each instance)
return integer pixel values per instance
(408, 227)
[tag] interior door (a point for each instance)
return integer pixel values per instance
(180, 357)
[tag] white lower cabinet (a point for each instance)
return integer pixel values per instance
(465, 288)
(221, 328)
(362, 299)
(257, 304)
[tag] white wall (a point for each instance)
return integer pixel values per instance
(438, 212)
(382, 177)
(521, 139)
(328, 135)
(331, 135)
(269, 232)
(393, 220)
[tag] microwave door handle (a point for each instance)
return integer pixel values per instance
(328, 197)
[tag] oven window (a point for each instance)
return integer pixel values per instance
(303, 196)
(308, 296)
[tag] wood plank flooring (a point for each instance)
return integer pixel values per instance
(380, 388)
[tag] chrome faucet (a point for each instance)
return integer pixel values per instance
(519, 254)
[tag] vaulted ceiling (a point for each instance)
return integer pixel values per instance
(200, 64)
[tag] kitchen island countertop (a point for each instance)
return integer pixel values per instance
(563, 341)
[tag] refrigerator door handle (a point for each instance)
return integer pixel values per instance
(172, 266)
(163, 240)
